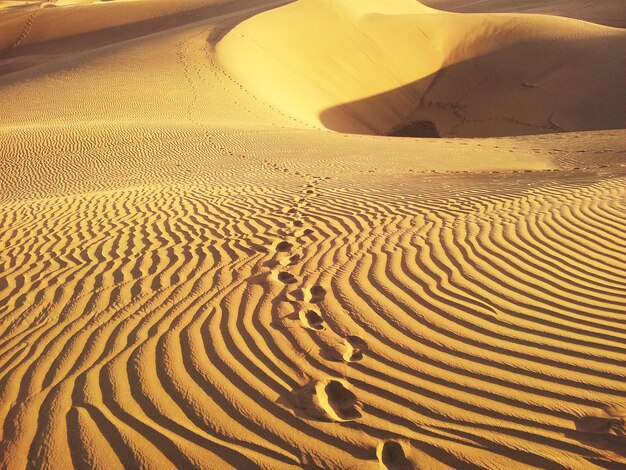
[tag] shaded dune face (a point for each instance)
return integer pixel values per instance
(193, 276)
(412, 71)
(608, 12)
(490, 96)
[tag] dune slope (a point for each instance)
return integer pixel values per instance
(192, 276)
(607, 12)
(382, 70)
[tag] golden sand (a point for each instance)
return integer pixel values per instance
(213, 254)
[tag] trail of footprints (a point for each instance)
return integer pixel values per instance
(328, 399)
(286, 263)
(173, 305)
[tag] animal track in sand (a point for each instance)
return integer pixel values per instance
(391, 455)
(329, 400)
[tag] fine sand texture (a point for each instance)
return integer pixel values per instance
(365, 234)
(606, 12)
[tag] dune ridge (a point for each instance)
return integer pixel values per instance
(377, 71)
(609, 12)
(192, 276)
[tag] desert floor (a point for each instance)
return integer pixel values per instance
(215, 250)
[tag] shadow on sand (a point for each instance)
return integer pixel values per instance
(534, 87)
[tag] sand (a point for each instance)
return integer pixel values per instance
(382, 66)
(214, 253)
(607, 12)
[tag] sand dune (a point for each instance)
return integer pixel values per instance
(393, 69)
(195, 272)
(607, 12)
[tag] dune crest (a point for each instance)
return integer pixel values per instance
(606, 12)
(400, 68)
(194, 274)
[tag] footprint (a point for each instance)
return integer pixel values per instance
(290, 260)
(312, 320)
(391, 455)
(286, 278)
(336, 398)
(611, 421)
(329, 400)
(358, 346)
(283, 247)
(304, 233)
(315, 294)
(312, 295)
(350, 350)
(356, 341)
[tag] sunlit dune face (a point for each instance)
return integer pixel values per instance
(407, 70)
(339, 234)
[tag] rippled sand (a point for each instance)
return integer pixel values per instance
(196, 273)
